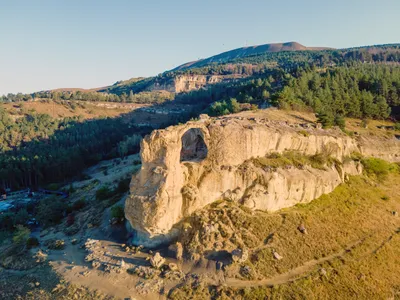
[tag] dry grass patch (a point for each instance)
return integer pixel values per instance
(353, 236)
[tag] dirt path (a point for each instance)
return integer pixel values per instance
(291, 275)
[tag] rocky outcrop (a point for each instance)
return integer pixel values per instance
(186, 83)
(186, 167)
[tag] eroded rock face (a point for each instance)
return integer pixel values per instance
(188, 166)
(186, 83)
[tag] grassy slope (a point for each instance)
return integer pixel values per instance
(68, 109)
(354, 224)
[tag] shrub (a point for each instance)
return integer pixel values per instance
(51, 211)
(79, 204)
(326, 119)
(7, 221)
(21, 235)
(378, 167)
(123, 185)
(304, 133)
(55, 244)
(117, 212)
(397, 126)
(103, 193)
(293, 158)
(53, 186)
(32, 242)
(339, 121)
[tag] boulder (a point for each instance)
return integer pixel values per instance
(240, 255)
(157, 260)
(277, 256)
(302, 229)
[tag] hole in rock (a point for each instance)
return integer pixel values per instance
(193, 146)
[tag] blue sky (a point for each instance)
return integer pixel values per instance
(46, 44)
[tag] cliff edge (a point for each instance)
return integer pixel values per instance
(189, 166)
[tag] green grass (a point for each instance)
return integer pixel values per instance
(294, 158)
(378, 167)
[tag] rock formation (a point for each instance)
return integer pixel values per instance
(186, 167)
(186, 83)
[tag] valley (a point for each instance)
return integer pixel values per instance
(265, 172)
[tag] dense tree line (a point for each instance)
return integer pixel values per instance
(131, 97)
(38, 149)
(360, 91)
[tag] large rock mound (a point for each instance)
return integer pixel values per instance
(186, 167)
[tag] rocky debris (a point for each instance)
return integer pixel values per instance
(131, 249)
(247, 272)
(204, 117)
(96, 264)
(173, 272)
(176, 250)
(395, 213)
(302, 229)
(144, 272)
(157, 260)
(277, 256)
(173, 267)
(40, 256)
(55, 244)
(123, 265)
(240, 255)
(99, 258)
(150, 286)
(85, 273)
(74, 241)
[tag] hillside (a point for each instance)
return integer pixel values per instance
(63, 109)
(344, 244)
(248, 51)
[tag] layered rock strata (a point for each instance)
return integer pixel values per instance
(186, 167)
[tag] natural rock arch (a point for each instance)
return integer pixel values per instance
(193, 146)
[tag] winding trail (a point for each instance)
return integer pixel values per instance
(291, 275)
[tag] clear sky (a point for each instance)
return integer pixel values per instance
(46, 44)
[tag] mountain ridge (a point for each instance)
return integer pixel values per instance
(247, 51)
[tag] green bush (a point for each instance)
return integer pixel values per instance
(51, 211)
(32, 242)
(21, 235)
(53, 186)
(117, 212)
(123, 185)
(8, 221)
(378, 167)
(103, 193)
(293, 158)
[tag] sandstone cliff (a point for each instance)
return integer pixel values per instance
(188, 166)
(186, 83)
